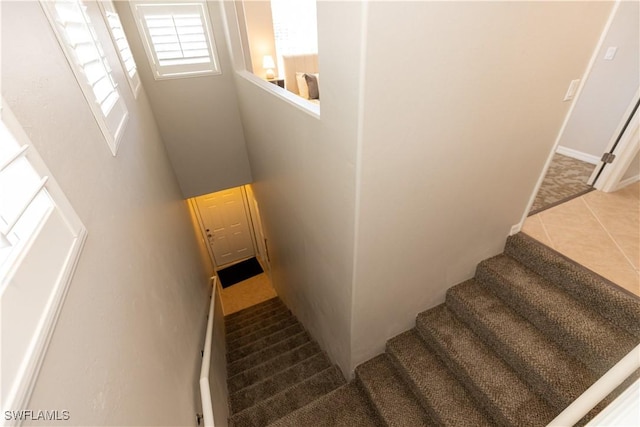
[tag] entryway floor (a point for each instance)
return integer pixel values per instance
(246, 293)
(598, 230)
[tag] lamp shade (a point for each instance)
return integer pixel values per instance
(267, 62)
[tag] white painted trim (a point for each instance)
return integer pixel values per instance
(113, 123)
(167, 72)
(106, 7)
(599, 390)
(625, 151)
(25, 379)
(623, 411)
(205, 389)
(291, 98)
(578, 155)
(625, 182)
(20, 394)
(194, 205)
(583, 81)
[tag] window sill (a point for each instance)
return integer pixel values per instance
(291, 98)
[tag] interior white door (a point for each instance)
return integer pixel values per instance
(226, 225)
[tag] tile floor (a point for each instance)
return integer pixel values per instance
(246, 293)
(598, 230)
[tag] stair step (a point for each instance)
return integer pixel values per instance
(294, 397)
(267, 353)
(549, 370)
(609, 300)
(253, 394)
(581, 331)
(343, 407)
(254, 327)
(233, 326)
(249, 311)
(247, 339)
(491, 382)
(262, 343)
(444, 398)
(393, 401)
(270, 367)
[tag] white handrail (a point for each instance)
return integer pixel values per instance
(598, 390)
(205, 390)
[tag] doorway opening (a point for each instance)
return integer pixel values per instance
(230, 227)
(601, 229)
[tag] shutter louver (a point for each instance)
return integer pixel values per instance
(80, 44)
(178, 38)
(122, 45)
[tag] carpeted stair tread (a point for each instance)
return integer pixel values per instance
(578, 329)
(243, 340)
(267, 353)
(344, 407)
(491, 382)
(251, 395)
(444, 398)
(393, 401)
(256, 326)
(263, 315)
(271, 367)
(552, 372)
(294, 397)
(609, 300)
(262, 343)
(254, 309)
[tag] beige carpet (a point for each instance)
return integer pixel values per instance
(565, 179)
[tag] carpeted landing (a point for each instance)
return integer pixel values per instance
(511, 347)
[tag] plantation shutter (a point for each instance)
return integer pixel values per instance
(122, 45)
(86, 56)
(41, 238)
(178, 38)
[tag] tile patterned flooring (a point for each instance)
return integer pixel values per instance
(598, 230)
(246, 293)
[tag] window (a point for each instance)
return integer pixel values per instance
(41, 238)
(83, 50)
(122, 44)
(295, 27)
(177, 37)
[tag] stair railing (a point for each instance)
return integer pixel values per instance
(598, 390)
(205, 389)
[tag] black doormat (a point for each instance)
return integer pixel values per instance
(239, 272)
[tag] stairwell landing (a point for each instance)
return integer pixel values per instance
(512, 346)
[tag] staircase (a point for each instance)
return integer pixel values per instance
(513, 347)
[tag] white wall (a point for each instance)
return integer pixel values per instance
(634, 168)
(259, 27)
(304, 172)
(198, 117)
(609, 88)
(126, 349)
(462, 104)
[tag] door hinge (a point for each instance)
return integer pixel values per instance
(608, 158)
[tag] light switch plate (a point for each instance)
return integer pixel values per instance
(573, 87)
(610, 53)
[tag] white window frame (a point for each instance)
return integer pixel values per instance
(113, 122)
(140, 8)
(19, 391)
(121, 45)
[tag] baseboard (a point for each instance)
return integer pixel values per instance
(626, 182)
(579, 155)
